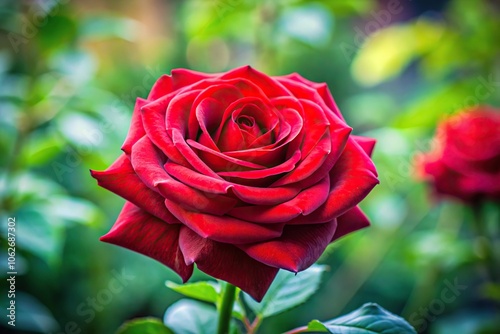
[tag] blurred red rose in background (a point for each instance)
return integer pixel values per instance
(239, 173)
(465, 159)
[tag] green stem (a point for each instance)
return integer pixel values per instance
(226, 309)
(298, 330)
(255, 325)
(485, 246)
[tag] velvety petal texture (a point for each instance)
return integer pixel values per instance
(239, 174)
(464, 162)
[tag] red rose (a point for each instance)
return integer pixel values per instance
(240, 173)
(465, 160)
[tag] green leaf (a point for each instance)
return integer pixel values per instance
(437, 101)
(41, 147)
(144, 326)
(191, 317)
(381, 57)
(73, 210)
(205, 291)
(369, 319)
(288, 290)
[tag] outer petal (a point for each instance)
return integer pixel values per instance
(321, 91)
(121, 179)
(224, 228)
(351, 221)
(351, 179)
(367, 144)
(153, 115)
(136, 130)
(161, 87)
(226, 262)
(272, 88)
(141, 232)
(297, 249)
(179, 79)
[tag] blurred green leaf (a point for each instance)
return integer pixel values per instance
(369, 110)
(426, 110)
(219, 18)
(191, 317)
(287, 290)
(76, 66)
(28, 187)
(491, 291)
(32, 315)
(59, 31)
(40, 234)
(346, 7)
(41, 147)
(73, 209)
(205, 291)
(310, 23)
(381, 57)
(144, 326)
(14, 87)
(369, 319)
(103, 27)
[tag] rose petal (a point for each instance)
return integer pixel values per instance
(197, 180)
(208, 113)
(267, 172)
(263, 112)
(306, 202)
(328, 164)
(270, 87)
(318, 92)
(148, 164)
(153, 117)
(323, 155)
(228, 263)
(141, 232)
(309, 164)
(315, 125)
(265, 196)
(350, 221)
(163, 86)
(136, 130)
(367, 144)
(297, 249)
(218, 161)
(290, 127)
(351, 179)
(182, 77)
(178, 114)
(121, 179)
(224, 228)
(193, 159)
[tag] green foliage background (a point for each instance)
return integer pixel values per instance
(70, 72)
